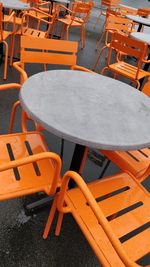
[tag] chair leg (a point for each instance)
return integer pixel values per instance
(50, 218)
(59, 223)
(95, 65)
(11, 49)
(67, 33)
(100, 40)
(12, 116)
(6, 60)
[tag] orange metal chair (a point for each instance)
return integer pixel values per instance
(113, 214)
(107, 5)
(4, 36)
(132, 48)
(77, 18)
(55, 52)
(27, 166)
(113, 24)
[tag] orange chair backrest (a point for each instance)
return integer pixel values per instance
(128, 46)
(48, 51)
(81, 10)
(117, 23)
(144, 12)
(110, 3)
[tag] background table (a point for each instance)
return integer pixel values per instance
(140, 20)
(15, 4)
(88, 109)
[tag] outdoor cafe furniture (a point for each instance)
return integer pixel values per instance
(54, 52)
(100, 112)
(113, 24)
(87, 109)
(112, 213)
(77, 17)
(26, 166)
(140, 20)
(15, 4)
(127, 46)
(4, 37)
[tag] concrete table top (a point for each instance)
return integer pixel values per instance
(141, 36)
(128, 6)
(15, 4)
(138, 19)
(88, 109)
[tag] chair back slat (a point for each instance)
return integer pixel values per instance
(28, 42)
(48, 58)
(128, 46)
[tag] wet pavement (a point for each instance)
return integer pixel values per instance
(21, 243)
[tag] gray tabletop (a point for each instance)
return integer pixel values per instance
(141, 36)
(88, 109)
(121, 5)
(138, 19)
(15, 4)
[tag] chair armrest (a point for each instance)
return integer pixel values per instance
(67, 9)
(76, 67)
(17, 66)
(96, 210)
(34, 158)
(10, 86)
(12, 15)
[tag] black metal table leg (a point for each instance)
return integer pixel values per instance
(76, 161)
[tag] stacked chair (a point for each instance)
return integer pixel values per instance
(5, 34)
(113, 214)
(114, 23)
(77, 17)
(26, 166)
(128, 47)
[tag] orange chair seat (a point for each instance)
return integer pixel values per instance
(125, 203)
(127, 70)
(135, 161)
(26, 179)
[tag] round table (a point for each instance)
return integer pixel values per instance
(15, 4)
(141, 36)
(140, 20)
(88, 109)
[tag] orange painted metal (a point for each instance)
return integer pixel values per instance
(34, 50)
(4, 36)
(133, 48)
(114, 23)
(27, 166)
(77, 18)
(113, 214)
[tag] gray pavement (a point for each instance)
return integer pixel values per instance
(21, 243)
